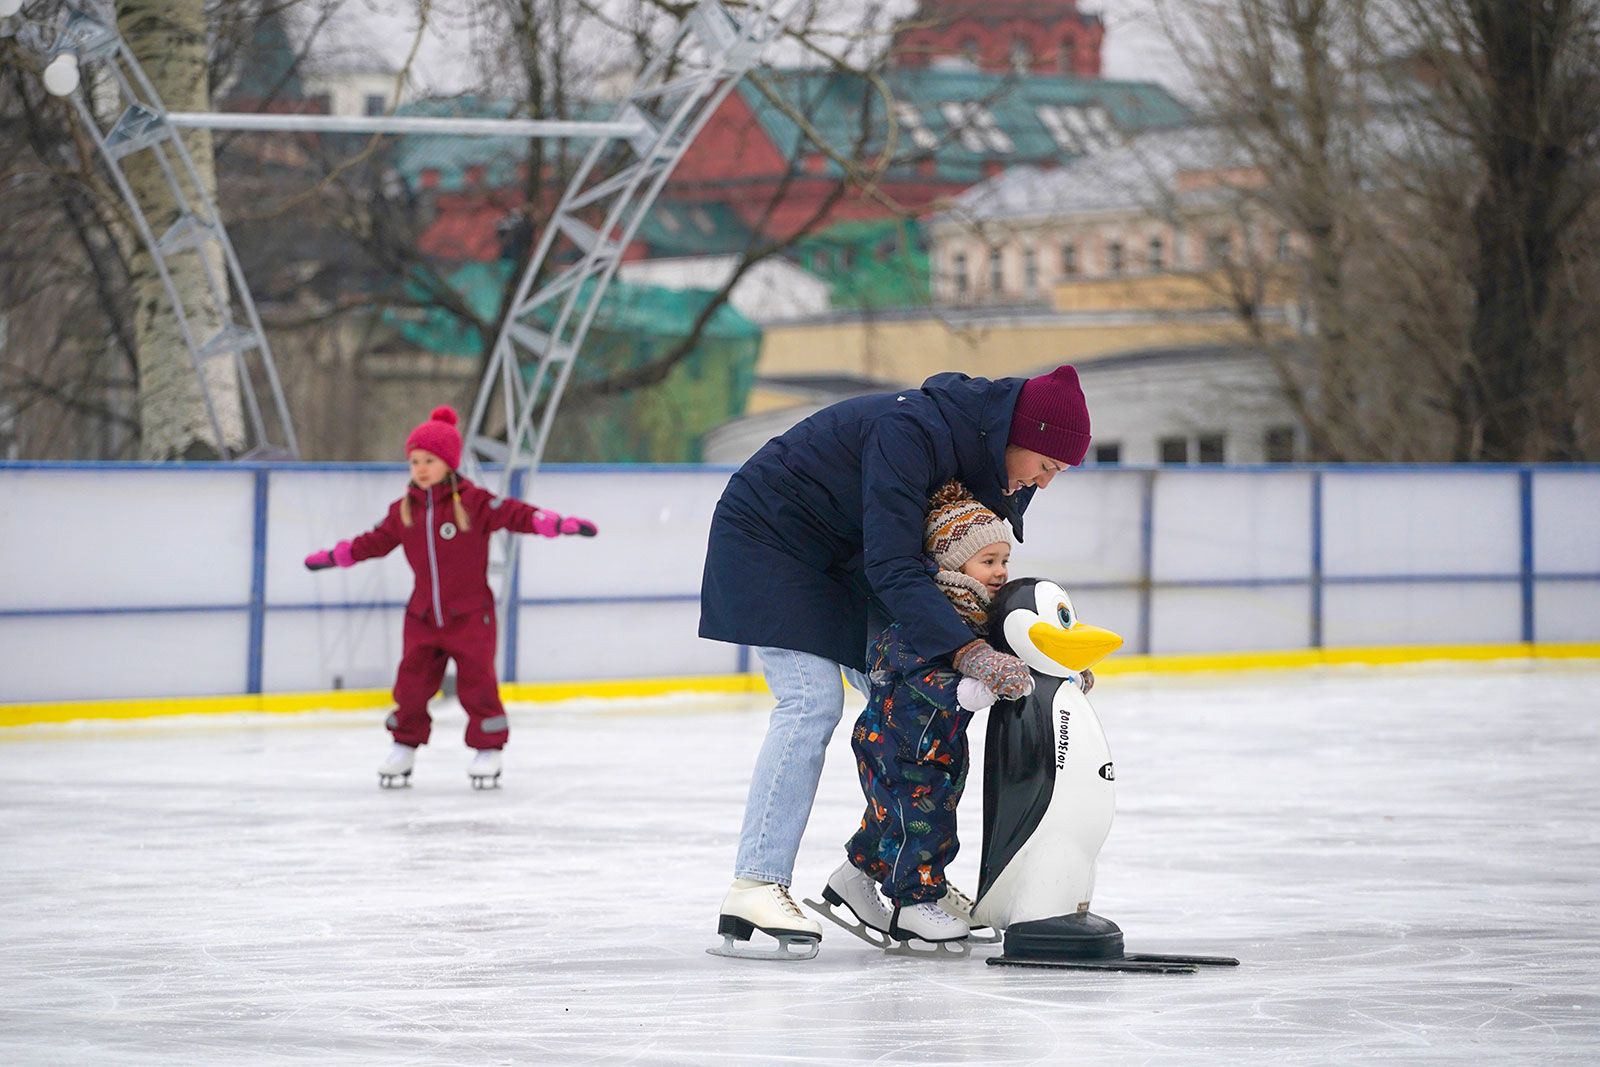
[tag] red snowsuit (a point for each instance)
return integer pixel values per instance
(451, 611)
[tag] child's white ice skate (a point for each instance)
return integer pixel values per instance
(395, 770)
(927, 924)
(484, 770)
(768, 907)
(850, 888)
(959, 904)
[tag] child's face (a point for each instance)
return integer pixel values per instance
(989, 566)
(427, 469)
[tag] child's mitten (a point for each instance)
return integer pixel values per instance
(338, 556)
(973, 695)
(550, 524)
(1007, 676)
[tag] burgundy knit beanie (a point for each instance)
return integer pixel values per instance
(1051, 417)
(439, 436)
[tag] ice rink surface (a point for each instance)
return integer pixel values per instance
(1407, 860)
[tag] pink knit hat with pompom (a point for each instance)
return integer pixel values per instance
(439, 436)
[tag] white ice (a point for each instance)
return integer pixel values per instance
(1407, 860)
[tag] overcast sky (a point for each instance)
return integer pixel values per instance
(1134, 46)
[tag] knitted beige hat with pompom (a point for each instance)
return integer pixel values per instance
(959, 527)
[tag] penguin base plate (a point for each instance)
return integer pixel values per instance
(1088, 942)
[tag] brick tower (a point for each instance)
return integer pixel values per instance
(1000, 36)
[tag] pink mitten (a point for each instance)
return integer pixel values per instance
(549, 524)
(339, 556)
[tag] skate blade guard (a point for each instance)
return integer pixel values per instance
(736, 945)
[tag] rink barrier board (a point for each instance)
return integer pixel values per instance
(635, 688)
(1154, 581)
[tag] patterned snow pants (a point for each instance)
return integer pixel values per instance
(912, 758)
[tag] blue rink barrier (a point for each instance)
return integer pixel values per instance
(137, 568)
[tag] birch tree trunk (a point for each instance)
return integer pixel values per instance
(168, 37)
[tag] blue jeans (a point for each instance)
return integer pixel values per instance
(810, 694)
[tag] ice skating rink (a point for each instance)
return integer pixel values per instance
(1407, 860)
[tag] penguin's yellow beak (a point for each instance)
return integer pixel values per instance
(1076, 649)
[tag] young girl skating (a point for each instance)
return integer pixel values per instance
(444, 521)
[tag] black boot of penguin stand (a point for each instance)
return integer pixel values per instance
(1088, 942)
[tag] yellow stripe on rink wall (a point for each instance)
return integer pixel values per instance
(624, 688)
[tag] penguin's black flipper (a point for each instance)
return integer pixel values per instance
(1019, 775)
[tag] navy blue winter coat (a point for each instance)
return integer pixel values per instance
(817, 541)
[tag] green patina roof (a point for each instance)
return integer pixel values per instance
(879, 263)
(452, 156)
(675, 228)
(832, 103)
(637, 325)
(647, 312)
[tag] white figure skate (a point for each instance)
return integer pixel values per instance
(484, 770)
(927, 924)
(851, 889)
(395, 770)
(768, 907)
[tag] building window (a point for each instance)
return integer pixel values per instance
(958, 272)
(1219, 249)
(1069, 260)
(1115, 258)
(1277, 444)
(1066, 56)
(974, 125)
(1108, 455)
(1021, 56)
(997, 275)
(1156, 256)
(909, 117)
(375, 104)
(1210, 448)
(1285, 249)
(1173, 450)
(1078, 129)
(1030, 269)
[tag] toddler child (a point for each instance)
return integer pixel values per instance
(911, 745)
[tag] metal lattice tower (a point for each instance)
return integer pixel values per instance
(545, 326)
(122, 112)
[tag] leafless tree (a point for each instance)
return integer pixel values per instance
(1438, 161)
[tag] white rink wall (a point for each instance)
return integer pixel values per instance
(130, 580)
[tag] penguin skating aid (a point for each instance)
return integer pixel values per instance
(1048, 797)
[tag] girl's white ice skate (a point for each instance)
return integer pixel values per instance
(395, 770)
(768, 907)
(930, 925)
(484, 770)
(850, 888)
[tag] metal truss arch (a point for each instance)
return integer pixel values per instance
(124, 115)
(548, 320)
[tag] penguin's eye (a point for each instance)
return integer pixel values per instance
(1064, 616)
